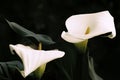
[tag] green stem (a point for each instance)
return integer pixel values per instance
(40, 71)
(82, 46)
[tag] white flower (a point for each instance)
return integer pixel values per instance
(97, 23)
(32, 59)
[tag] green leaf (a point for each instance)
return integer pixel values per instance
(44, 39)
(92, 72)
(8, 70)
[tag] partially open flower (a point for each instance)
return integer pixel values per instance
(32, 59)
(85, 26)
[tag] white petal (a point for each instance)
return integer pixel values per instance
(72, 39)
(98, 23)
(32, 59)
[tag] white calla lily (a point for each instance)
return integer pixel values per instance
(32, 59)
(85, 26)
(97, 23)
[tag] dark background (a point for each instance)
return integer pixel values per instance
(48, 17)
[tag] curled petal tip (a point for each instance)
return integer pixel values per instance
(12, 48)
(70, 38)
(61, 54)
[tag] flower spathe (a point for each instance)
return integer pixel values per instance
(97, 23)
(32, 59)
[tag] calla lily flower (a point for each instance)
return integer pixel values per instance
(85, 26)
(97, 23)
(32, 59)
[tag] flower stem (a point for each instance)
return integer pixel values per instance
(82, 46)
(40, 71)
